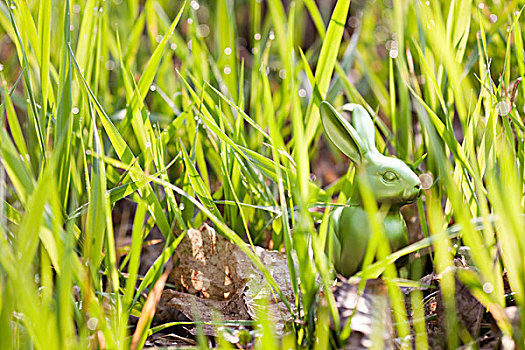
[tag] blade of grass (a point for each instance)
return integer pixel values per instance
(326, 64)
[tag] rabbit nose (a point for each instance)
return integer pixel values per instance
(418, 189)
(412, 193)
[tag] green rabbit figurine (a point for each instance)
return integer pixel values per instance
(391, 181)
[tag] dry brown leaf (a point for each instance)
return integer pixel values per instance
(257, 287)
(205, 265)
(369, 314)
(470, 311)
(215, 280)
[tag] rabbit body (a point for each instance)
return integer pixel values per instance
(390, 180)
(350, 232)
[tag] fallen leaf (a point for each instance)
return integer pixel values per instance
(369, 314)
(470, 312)
(215, 281)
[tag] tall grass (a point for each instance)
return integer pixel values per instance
(196, 111)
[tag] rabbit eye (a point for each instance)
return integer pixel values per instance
(390, 176)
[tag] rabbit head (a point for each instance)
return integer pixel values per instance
(390, 179)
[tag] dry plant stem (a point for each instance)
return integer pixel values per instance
(148, 311)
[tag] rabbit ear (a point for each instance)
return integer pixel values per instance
(363, 125)
(341, 133)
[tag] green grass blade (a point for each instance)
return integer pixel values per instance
(326, 64)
